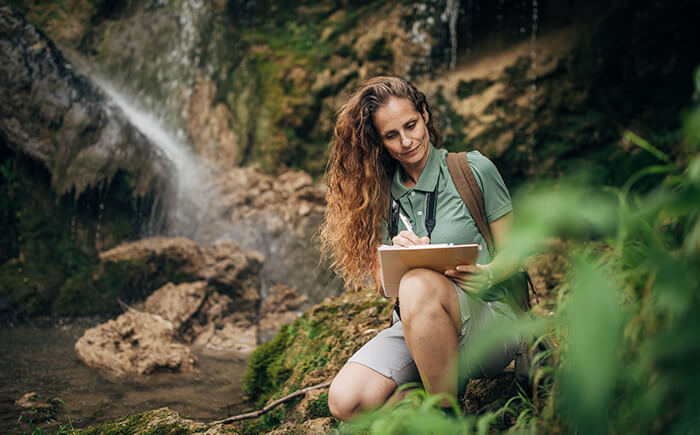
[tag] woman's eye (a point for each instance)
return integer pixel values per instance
(389, 136)
(411, 125)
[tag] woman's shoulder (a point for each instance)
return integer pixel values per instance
(475, 158)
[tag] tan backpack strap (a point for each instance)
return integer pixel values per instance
(468, 188)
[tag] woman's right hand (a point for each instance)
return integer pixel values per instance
(407, 238)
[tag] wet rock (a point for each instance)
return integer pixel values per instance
(205, 318)
(152, 262)
(135, 343)
(60, 119)
(177, 304)
(280, 307)
(240, 337)
(207, 123)
(37, 408)
(32, 400)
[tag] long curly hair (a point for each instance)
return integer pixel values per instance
(358, 176)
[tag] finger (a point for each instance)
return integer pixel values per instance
(458, 274)
(411, 236)
(468, 288)
(401, 241)
(424, 240)
(471, 268)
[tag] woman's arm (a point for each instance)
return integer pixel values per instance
(475, 278)
(404, 238)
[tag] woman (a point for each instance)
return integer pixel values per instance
(384, 147)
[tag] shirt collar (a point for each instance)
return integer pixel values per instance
(426, 181)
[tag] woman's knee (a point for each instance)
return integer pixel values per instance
(355, 388)
(342, 401)
(423, 289)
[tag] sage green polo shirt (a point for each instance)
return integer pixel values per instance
(454, 223)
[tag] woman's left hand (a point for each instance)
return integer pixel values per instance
(472, 278)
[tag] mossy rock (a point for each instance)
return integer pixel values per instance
(156, 422)
(54, 241)
(312, 350)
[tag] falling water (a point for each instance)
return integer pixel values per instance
(194, 192)
(451, 15)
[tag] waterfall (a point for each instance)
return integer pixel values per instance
(451, 15)
(190, 210)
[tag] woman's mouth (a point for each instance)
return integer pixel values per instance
(410, 152)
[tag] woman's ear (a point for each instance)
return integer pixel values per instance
(424, 112)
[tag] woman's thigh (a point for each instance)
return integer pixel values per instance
(477, 318)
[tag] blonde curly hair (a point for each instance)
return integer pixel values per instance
(358, 176)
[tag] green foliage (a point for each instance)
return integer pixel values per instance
(417, 413)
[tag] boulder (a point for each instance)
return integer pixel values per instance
(151, 263)
(177, 304)
(205, 318)
(135, 343)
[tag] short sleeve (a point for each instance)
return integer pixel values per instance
(385, 233)
(497, 199)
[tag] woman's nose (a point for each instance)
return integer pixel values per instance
(405, 141)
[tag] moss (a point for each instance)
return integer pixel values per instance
(142, 424)
(466, 89)
(318, 408)
(266, 369)
(266, 423)
(54, 241)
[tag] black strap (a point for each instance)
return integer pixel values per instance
(430, 212)
(430, 215)
(393, 218)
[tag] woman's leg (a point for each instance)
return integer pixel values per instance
(431, 323)
(356, 388)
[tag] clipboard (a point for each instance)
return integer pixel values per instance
(395, 261)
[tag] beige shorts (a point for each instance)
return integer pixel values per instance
(387, 353)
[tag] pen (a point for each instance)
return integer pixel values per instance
(406, 222)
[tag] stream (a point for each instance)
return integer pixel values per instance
(38, 357)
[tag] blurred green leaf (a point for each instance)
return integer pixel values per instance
(594, 322)
(646, 146)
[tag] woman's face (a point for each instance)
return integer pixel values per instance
(403, 132)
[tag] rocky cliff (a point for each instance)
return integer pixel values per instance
(76, 176)
(539, 87)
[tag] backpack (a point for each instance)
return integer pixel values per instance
(519, 284)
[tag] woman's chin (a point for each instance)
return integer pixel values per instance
(413, 157)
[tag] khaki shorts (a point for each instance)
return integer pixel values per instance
(388, 354)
